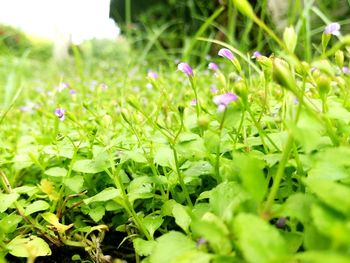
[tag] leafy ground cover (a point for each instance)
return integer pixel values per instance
(243, 161)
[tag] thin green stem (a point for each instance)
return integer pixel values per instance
(279, 175)
(181, 179)
(127, 205)
(217, 159)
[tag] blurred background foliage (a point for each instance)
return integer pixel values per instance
(15, 42)
(171, 25)
(169, 29)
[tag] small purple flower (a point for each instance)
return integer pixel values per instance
(185, 68)
(333, 29)
(152, 74)
(226, 53)
(346, 70)
(223, 100)
(72, 92)
(213, 89)
(193, 102)
(256, 54)
(149, 86)
(296, 101)
(313, 69)
(201, 241)
(281, 222)
(212, 66)
(29, 107)
(60, 113)
(62, 86)
(103, 86)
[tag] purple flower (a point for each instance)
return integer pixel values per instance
(256, 54)
(62, 86)
(346, 70)
(60, 112)
(213, 89)
(333, 29)
(103, 86)
(72, 92)
(296, 101)
(152, 74)
(193, 102)
(29, 107)
(185, 68)
(149, 86)
(226, 53)
(223, 100)
(213, 66)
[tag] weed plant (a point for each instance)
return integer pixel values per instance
(245, 161)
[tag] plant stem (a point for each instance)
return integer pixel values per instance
(280, 171)
(127, 205)
(181, 179)
(217, 160)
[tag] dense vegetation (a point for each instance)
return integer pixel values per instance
(240, 157)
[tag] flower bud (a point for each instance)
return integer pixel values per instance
(323, 84)
(290, 38)
(241, 91)
(283, 75)
(203, 121)
(245, 8)
(339, 58)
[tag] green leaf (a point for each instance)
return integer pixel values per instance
(334, 194)
(90, 166)
(56, 171)
(194, 256)
(107, 194)
(36, 206)
(252, 176)
(54, 221)
(152, 223)
(142, 247)
(308, 132)
(199, 168)
(330, 164)
(164, 156)
(32, 246)
(170, 247)
(192, 150)
(337, 111)
(136, 156)
(331, 224)
(259, 241)
(8, 224)
(182, 218)
(211, 141)
(213, 229)
(322, 256)
(97, 213)
(297, 206)
(74, 183)
(6, 200)
(141, 188)
(226, 199)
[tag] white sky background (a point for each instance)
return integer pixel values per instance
(78, 19)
